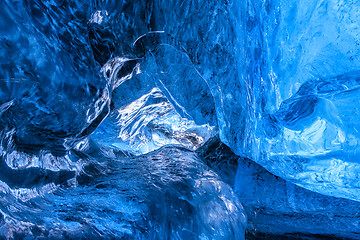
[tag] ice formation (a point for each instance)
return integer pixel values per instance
(131, 119)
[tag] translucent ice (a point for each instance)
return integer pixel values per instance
(149, 123)
(92, 93)
(84, 86)
(168, 194)
(263, 62)
(302, 74)
(277, 208)
(157, 102)
(48, 97)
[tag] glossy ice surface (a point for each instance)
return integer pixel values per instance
(121, 119)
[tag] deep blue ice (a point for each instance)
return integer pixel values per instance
(179, 119)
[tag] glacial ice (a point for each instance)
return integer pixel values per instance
(48, 97)
(149, 123)
(280, 208)
(267, 82)
(114, 116)
(168, 193)
(76, 105)
(305, 95)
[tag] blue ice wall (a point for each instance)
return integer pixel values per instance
(51, 90)
(302, 74)
(102, 98)
(284, 79)
(102, 106)
(280, 208)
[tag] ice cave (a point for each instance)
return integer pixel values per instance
(180, 119)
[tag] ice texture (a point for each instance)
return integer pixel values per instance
(302, 74)
(166, 194)
(149, 123)
(277, 208)
(51, 90)
(119, 119)
(101, 111)
(284, 79)
(157, 101)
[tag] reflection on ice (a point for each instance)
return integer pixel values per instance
(169, 192)
(149, 123)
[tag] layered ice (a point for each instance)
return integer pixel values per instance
(278, 208)
(302, 74)
(168, 194)
(85, 87)
(110, 112)
(51, 90)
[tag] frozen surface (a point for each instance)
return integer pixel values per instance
(149, 123)
(109, 112)
(278, 209)
(42, 86)
(281, 208)
(84, 87)
(303, 78)
(168, 194)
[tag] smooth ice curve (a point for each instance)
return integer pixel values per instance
(91, 93)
